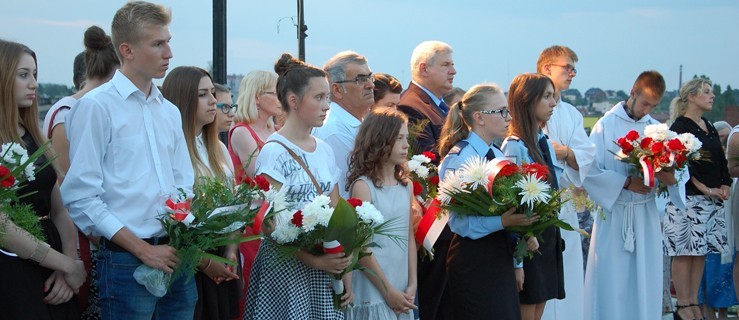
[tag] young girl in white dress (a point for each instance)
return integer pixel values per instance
(378, 174)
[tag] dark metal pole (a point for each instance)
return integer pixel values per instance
(680, 84)
(219, 41)
(302, 28)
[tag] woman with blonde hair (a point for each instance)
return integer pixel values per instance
(28, 290)
(483, 281)
(688, 235)
(191, 90)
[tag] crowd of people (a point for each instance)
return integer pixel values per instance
(121, 145)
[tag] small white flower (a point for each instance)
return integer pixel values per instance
(533, 190)
(421, 158)
(369, 214)
(659, 132)
(413, 165)
(422, 172)
(277, 198)
(476, 171)
(317, 212)
(285, 231)
(690, 142)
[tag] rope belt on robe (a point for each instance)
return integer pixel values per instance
(627, 228)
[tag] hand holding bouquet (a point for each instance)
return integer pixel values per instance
(491, 188)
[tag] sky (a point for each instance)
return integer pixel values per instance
(493, 40)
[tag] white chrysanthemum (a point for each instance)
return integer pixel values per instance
(475, 171)
(369, 214)
(533, 190)
(413, 165)
(14, 153)
(285, 231)
(276, 198)
(422, 172)
(659, 132)
(421, 158)
(30, 172)
(451, 184)
(317, 212)
(690, 142)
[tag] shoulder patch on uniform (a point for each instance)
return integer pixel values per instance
(458, 147)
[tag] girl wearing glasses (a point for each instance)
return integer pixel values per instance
(480, 266)
(531, 99)
(226, 108)
(191, 90)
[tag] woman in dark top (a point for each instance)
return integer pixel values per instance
(27, 290)
(700, 229)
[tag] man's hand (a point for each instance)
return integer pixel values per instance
(162, 257)
(560, 151)
(635, 185)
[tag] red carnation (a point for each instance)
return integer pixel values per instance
(646, 142)
(261, 182)
(538, 170)
(625, 145)
(632, 135)
(8, 180)
(297, 219)
(429, 155)
(664, 158)
(657, 147)
(675, 145)
(417, 188)
(680, 159)
(354, 202)
(508, 170)
(434, 180)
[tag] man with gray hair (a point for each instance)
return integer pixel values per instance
(432, 74)
(352, 84)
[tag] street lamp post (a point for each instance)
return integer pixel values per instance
(302, 28)
(219, 41)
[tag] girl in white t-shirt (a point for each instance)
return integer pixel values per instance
(297, 287)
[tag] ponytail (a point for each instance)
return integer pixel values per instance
(454, 130)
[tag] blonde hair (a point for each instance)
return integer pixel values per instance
(253, 84)
(679, 104)
(459, 119)
(131, 19)
(549, 54)
(427, 52)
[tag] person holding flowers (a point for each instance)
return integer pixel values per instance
(531, 99)
(378, 174)
(482, 281)
(30, 290)
(624, 269)
(690, 234)
(191, 90)
(296, 286)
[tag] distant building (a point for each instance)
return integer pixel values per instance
(595, 95)
(602, 106)
(232, 82)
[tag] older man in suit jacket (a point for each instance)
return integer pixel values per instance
(432, 72)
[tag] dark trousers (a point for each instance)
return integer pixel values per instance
(433, 294)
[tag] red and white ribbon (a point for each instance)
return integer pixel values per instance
(498, 164)
(330, 247)
(647, 170)
(259, 218)
(430, 227)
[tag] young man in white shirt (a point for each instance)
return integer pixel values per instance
(574, 153)
(128, 154)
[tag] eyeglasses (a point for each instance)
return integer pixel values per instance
(503, 112)
(226, 108)
(270, 92)
(568, 67)
(360, 79)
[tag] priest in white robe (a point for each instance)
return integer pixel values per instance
(574, 153)
(624, 273)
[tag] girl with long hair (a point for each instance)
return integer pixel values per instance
(297, 287)
(531, 99)
(30, 291)
(378, 174)
(191, 90)
(483, 280)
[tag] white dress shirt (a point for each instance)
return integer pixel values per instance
(339, 131)
(127, 154)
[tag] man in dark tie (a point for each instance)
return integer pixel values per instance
(432, 74)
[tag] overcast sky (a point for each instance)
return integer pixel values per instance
(493, 41)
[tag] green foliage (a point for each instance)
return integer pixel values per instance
(415, 129)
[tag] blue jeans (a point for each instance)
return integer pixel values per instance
(121, 297)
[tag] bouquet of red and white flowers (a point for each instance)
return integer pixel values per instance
(203, 223)
(320, 229)
(660, 148)
(424, 175)
(17, 167)
(490, 188)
